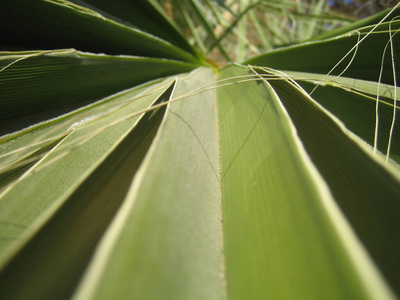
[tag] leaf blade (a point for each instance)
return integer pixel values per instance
(173, 232)
(277, 224)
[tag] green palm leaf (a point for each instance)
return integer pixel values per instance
(136, 171)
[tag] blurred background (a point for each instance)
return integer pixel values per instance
(233, 30)
(360, 8)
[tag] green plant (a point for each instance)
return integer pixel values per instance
(130, 168)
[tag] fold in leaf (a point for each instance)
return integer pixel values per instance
(55, 24)
(57, 252)
(342, 55)
(19, 145)
(141, 14)
(37, 86)
(15, 170)
(366, 190)
(358, 112)
(281, 226)
(40, 192)
(166, 241)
